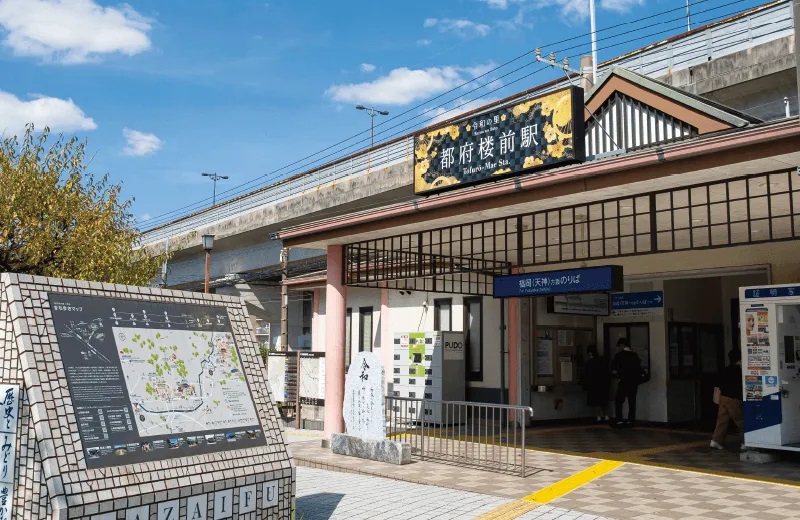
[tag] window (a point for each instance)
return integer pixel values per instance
(442, 314)
(473, 337)
(365, 329)
(348, 337)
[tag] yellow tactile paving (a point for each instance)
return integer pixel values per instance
(528, 503)
(509, 511)
(561, 488)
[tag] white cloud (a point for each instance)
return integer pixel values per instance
(460, 27)
(620, 6)
(423, 42)
(579, 9)
(145, 217)
(140, 143)
(402, 86)
(457, 108)
(72, 31)
(367, 67)
(61, 115)
(569, 8)
(496, 4)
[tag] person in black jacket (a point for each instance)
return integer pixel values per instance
(597, 383)
(627, 367)
(730, 399)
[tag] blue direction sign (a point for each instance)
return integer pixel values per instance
(637, 304)
(607, 278)
(637, 300)
(772, 292)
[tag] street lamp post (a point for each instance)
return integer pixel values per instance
(208, 245)
(214, 177)
(371, 112)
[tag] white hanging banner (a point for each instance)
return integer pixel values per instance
(9, 415)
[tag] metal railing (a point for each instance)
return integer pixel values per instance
(483, 435)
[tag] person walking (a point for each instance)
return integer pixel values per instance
(627, 367)
(730, 399)
(597, 383)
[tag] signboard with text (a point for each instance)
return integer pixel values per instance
(9, 395)
(581, 304)
(638, 304)
(606, 278)
(529, 135)
(150, 380)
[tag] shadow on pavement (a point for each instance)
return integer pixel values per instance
(319, 506)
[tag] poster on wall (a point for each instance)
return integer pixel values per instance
(151, 380)
(758, 360)
(544, 357)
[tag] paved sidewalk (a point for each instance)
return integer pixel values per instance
(632, 491)
(324, 494)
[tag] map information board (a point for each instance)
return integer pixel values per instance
(152, 380)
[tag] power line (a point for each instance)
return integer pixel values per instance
(166, 217)
(390, 159)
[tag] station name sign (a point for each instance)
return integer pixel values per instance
(607, 278)
(524, 136)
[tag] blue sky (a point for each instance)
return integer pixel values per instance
(163, 91)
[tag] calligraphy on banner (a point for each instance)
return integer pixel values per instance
(536, 133)
(8, 447)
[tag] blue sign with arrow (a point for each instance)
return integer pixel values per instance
(637, 303)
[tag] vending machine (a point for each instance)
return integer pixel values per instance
(770, 342)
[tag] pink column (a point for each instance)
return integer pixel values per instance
(335, 318)
(315, 332)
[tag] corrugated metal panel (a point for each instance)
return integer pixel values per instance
(625, 123)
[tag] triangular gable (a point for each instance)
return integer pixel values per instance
(627, 111)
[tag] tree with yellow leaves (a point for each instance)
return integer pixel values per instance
(56, 219)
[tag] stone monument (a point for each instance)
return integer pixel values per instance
(365, 416)
(135, 403)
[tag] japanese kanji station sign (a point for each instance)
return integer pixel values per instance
(607, 278)
(534, 134)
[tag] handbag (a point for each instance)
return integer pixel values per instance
(645, 376)
(717, 393)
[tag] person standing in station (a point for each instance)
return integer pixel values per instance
(597, 383)
(627, 367)
(730, 399)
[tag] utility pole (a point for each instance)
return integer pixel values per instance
(594, 43)
(688, 18)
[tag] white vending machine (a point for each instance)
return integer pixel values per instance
(428, 366)
(770, 331)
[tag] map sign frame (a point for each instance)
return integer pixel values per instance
(153, 380)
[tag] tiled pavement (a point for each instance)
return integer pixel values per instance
(632, 491)
(322, 495)
(551, 468)
(658, 446)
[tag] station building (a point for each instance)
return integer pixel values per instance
(692, 199)
(688, 180)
